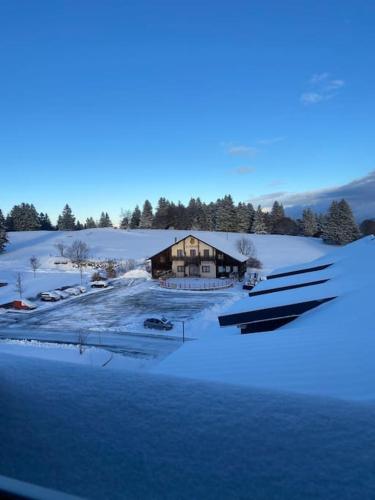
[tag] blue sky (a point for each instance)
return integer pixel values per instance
(104, 104)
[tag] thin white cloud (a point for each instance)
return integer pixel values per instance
(318, 77)
(311, 98)
(321, 88)
(242, 150)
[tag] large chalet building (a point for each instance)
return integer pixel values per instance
(192, 256)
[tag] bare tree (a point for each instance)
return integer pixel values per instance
(127, 265)
(19, 288)
(35, 264)
(110, 269)
(60, 246)
(246, 247)
(82, 341)
(78, 253)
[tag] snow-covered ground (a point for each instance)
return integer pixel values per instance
(107, 434)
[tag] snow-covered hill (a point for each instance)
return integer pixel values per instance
(274, 251)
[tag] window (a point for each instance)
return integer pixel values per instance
(180, 253)
(235, 269)
(227, 269)
(192, 241)
(193, 253)
(221, 269)
(180, 269)
(206, 253)
(205, 269)
(220, 256)
(162, 259)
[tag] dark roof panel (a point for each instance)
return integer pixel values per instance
(267, 326)
(271, 313)
(299, 271)
(287, 287)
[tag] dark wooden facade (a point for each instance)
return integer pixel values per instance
(205, 260)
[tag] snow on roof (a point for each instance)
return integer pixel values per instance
(220, 243)
(327, 351)
(344, 274)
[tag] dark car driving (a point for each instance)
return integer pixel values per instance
(158, 324)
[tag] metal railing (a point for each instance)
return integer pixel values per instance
(204, 285)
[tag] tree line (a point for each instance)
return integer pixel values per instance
(336, 226)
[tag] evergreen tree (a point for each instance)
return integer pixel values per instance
(227, 215)
(90, 223)
(367, 227)
(125, 219)
(192, 213)
(45, 223)
(66, 221)
(162, 215)
(309, 224)
(135, 218)
(181, 220)
(3, 233)
(340, 227)
(331, 227)
(79, 226)
(24, 217)
(9, 223)
(245, 217)
(202, 221)
(146, 216)
(320, 221)
(286, 225)
(108, 220)
(277, 213)
(349, 227)
(105, 220)
(259, 225)
(211, 216)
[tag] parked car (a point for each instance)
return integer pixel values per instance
(158, 324)
(99, 284)
(62, 294)
(72, 291)
(50, 296)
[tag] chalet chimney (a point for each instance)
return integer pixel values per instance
(175, 239)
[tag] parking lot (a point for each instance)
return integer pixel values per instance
(117, 315)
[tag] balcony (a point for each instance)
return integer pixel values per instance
(194, 260)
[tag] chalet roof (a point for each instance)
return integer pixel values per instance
(329, 276)
(213, 240)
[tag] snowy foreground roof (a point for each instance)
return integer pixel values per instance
(327, 351)
(219, 242)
